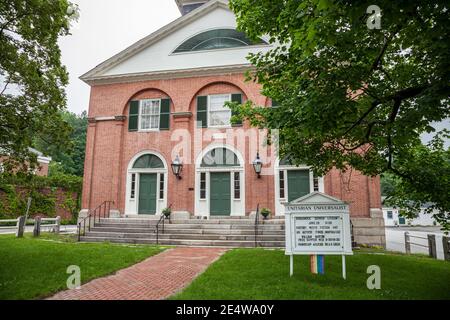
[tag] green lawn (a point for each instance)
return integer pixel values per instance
(264, 274)
(34, 268)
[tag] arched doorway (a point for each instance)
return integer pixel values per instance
(293, 182)
(220, 182)
(146, 184)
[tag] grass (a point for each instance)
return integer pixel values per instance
(264, 274)
(32, 268)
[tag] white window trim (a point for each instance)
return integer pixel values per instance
(279, 208)
(209, 111)
(206, 186)
(234, 187)
(140, 116)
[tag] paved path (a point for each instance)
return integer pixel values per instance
(155, 278)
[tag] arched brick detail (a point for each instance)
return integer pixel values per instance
(148, 93)
(217, 87)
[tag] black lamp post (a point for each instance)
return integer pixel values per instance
(257, 165)
(177, 167)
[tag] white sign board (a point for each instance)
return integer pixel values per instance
(317, 224)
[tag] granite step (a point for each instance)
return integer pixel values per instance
(193, 243)
(185, 231)
(193, 226)
(115, 235)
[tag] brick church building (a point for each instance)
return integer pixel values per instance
(161, 101)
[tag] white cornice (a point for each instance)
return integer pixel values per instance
(169, 74)
(152, 38)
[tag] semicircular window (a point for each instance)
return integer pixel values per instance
(148, 161)
(220, 157)
(217, 39)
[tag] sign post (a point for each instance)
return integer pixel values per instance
(317, 225)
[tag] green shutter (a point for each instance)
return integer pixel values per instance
(133, 116)
(274, 104)
(202, 111)
(164, 116)
(237, 97)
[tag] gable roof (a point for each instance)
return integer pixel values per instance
(96, 73)
(317, 197)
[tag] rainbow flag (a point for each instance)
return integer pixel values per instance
(317, 264)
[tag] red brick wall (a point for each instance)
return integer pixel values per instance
(110, 146)
(42, 170)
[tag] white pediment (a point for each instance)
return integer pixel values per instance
(154, 54)
(317, 198)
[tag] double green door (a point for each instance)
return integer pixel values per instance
(298, 184)
(147, 193)
(220, 201)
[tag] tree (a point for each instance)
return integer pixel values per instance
(350, 95)
(32, 78)
(70, 157)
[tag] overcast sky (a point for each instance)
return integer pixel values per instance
(106, 27)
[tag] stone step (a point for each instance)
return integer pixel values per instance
(190, 221)
(228, 221)
(193, 243)
(166, 236)
(194, 226)
(187, 231)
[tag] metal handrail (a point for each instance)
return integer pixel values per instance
(256, 225)
(163, 222)
(93, 213)
(157, 227)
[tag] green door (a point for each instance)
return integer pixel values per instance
(147, 193)
(298, 184)
(220, 193)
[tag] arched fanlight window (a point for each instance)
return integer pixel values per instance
(217, 39)
(148, 161)
(220, 157)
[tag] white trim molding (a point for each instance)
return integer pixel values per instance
(202, 206)
(279, 202)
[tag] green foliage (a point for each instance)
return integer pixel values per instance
(68, 159)
(353, 96)
(166, 212)
(265, 212)
(388, 184)
(430, 167)
(43, 190)
(32, 78)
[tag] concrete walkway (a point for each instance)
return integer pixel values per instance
(155, 278)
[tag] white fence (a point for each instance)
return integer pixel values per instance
(39, 223)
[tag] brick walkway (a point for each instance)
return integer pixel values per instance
(156, 278)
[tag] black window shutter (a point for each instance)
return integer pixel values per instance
(274, 103)
(133, 116)
(164, 116)
(237, 97)
(202, 111)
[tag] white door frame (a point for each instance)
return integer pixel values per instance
(132, 204)
(202, 206)
(279, 207)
